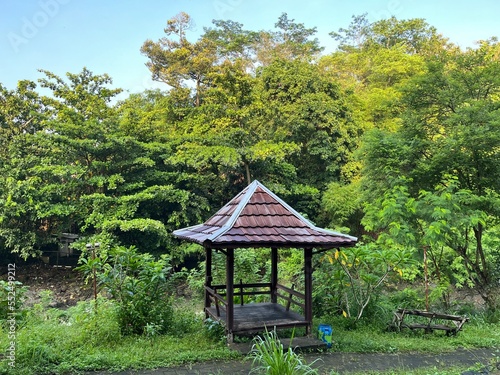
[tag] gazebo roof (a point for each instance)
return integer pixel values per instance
(256, 217)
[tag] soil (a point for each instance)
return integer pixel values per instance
(67, 285)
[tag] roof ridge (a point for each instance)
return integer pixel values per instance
(250, 189)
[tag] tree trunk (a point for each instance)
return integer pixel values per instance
(247, 172)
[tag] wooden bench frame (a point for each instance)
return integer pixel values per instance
(398, 322)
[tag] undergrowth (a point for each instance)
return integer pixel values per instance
(88, 338)
(371, 338)
(83, 338)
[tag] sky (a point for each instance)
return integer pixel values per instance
(105, 36)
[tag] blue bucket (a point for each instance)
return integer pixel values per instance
(325, 334)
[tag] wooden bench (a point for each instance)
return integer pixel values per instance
(399, 322)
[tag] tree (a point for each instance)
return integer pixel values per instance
(292, 41)
(176, 61)
(73, 169)
(24, 208)
(233, 43)
(300, 105)
(448, 150)
(416, 35)
(221, 140)
(374, 61)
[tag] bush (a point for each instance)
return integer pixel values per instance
(408, 298)
(140, 286)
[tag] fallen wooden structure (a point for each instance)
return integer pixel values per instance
(432, 321)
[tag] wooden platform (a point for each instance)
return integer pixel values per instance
(257, 317)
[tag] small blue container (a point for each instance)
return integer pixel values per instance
(325, 334)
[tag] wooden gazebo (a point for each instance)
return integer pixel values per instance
(257, 218)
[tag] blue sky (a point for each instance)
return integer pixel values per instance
(105, 35)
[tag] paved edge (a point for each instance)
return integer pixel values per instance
(341, 363)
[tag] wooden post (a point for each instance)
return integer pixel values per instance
(230, 294)
(426, 280)
(208, 277)
(308, 288)
(290, 296)
(274, 274)
(241, 293)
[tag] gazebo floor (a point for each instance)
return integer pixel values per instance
(256, 317)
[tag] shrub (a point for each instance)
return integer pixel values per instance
(139, 284)
(409, 298)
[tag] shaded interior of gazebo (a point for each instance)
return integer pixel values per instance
(257, 218)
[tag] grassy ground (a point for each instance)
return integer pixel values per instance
(476, 334)
(57, 341)
(53, 341)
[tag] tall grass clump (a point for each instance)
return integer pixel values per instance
(270, 358)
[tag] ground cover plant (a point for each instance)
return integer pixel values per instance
(81, 338)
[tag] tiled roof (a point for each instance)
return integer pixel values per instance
(256, 217)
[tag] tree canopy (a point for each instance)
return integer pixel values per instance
(393, 137)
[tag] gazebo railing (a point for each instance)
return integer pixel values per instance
(216, 298)
(217, 294)
(241, 290)
(291, 292)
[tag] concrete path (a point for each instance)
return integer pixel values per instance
(343, 363)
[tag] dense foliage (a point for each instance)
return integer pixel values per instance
(394, 138)
(138, 283)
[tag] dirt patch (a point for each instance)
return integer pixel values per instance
(67, 285)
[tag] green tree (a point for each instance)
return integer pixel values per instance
(416, 35)
(448, 150)
(77, 170)
(233, 42)
(176, 61)
(291, 41)
(373, 61)
(25, 209)
(300, 105)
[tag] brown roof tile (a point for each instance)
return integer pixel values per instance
(257, 217)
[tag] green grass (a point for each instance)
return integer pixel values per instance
(128, 353)
(369, 339)
(52, 341)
